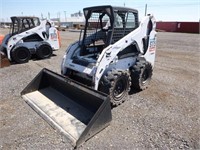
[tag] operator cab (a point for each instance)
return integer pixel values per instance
(21, 24)
(106, 25)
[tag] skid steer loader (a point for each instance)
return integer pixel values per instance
(28, 36)
(114, 51)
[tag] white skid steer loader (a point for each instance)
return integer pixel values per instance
(28, 36)
(114, 52)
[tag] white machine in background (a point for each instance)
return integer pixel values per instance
(28, 36)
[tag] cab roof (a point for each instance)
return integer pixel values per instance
(23, 17)
(114, 8)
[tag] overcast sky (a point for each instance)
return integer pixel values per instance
(165, 10)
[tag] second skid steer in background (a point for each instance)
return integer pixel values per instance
(114, 52)
(28, 36)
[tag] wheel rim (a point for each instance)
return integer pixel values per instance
(145, 76)
(22, 54)
(45, 51)
(120, 88)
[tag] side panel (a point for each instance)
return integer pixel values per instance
(123, 64)
(151, 51)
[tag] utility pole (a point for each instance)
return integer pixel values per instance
(65, 16)
(49, 15)
(58, 16)
(145, 10)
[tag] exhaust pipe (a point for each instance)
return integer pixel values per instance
(75, 110)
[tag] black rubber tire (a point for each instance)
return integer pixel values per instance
(43, 51)
(141, 74)
(116, 84)
(20, 54)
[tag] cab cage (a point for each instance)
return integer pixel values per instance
(21, 24)
(106, 25)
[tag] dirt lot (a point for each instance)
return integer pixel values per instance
(165, 116)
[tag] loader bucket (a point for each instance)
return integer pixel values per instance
(4, 61)
(75, 110)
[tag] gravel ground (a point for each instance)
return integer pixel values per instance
(165, 116)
